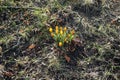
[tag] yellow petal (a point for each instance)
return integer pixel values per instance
(68, 35)
(60, 28)
(56, 27)
(60, 44)
(65, 28)
(52, 34)
(56, 31)
(61, 32)
(50, 29)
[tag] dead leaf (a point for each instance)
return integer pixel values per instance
(67, 58)
(21, 31)
(31, 46)
(1, 70)
(113, 21)
(59, 20)
(26, 13)
(0, 50)
(71, 48)
(1, 67)
(2, 27)
(76, 41)
(115, 0)
(9, 74)
(26, 22)
(116, 21)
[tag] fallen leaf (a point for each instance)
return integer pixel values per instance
(31, 46)
(116, 21)
(26, 13)
(9, 74)
(26, 22)
(67, 58)
(113, 21)
(76, 41)
(0, 50)
(59, 20)
(71, 48)
(1, 67)
(2, 27)
(115, 0)
(1, 70)
(21, 31)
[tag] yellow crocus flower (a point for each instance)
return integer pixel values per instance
(52, 34)
(68, 35)
(61, 32)
(56, 27)
(65, 28)
(61, 28)
(50, 29)
(60, 44)
(56, 31)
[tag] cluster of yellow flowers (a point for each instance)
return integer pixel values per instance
(61, 35)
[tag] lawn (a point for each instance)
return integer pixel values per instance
(59, 40)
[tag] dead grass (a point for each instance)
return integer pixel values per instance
(97, 57)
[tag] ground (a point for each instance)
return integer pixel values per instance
(28, 52)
